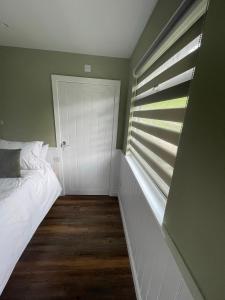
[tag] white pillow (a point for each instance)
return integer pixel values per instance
(30, 153)
(44, 152)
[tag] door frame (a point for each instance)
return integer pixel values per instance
(116, 84)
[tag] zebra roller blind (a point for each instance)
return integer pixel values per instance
(160, 97)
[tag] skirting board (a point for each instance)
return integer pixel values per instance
(134, 274)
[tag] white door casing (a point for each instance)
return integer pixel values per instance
(86, 118)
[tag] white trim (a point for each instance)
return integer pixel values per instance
(57, 128)
(130, 253)
(114, 176)
(113, 171)
(154, 197)
(116, 83)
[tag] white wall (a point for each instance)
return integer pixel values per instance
(155, 271)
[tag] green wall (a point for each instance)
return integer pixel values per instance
(195, 214)
(26, 95)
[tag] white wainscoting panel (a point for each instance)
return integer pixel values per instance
(53, 157)
(115, 172)
(155, 272)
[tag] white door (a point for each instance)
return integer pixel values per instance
(87, 122)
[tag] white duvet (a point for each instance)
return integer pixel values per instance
(24, 202)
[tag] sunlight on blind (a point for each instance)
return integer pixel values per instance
(159, 101)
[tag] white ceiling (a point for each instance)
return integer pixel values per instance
(97, 27)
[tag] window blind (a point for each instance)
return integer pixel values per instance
(160, 97)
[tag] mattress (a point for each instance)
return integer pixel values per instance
(24, 202)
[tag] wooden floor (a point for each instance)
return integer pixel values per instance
(78, 252)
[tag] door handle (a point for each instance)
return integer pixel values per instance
(63, 144)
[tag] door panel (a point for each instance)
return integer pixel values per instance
(86, 119)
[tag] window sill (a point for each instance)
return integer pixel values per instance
(154, 197)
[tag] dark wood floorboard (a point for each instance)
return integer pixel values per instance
(78, 252)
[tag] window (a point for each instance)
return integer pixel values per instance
(160, 97)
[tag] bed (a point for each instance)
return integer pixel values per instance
(24, 202)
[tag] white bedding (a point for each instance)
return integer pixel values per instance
(24, 202)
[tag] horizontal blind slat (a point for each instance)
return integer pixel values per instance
(174, 114)
(183, 65)
(154, 166)
(178, 91)
(165, 155)
(175, 81)
(154, 176)
(192, 33)
(166, 135)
